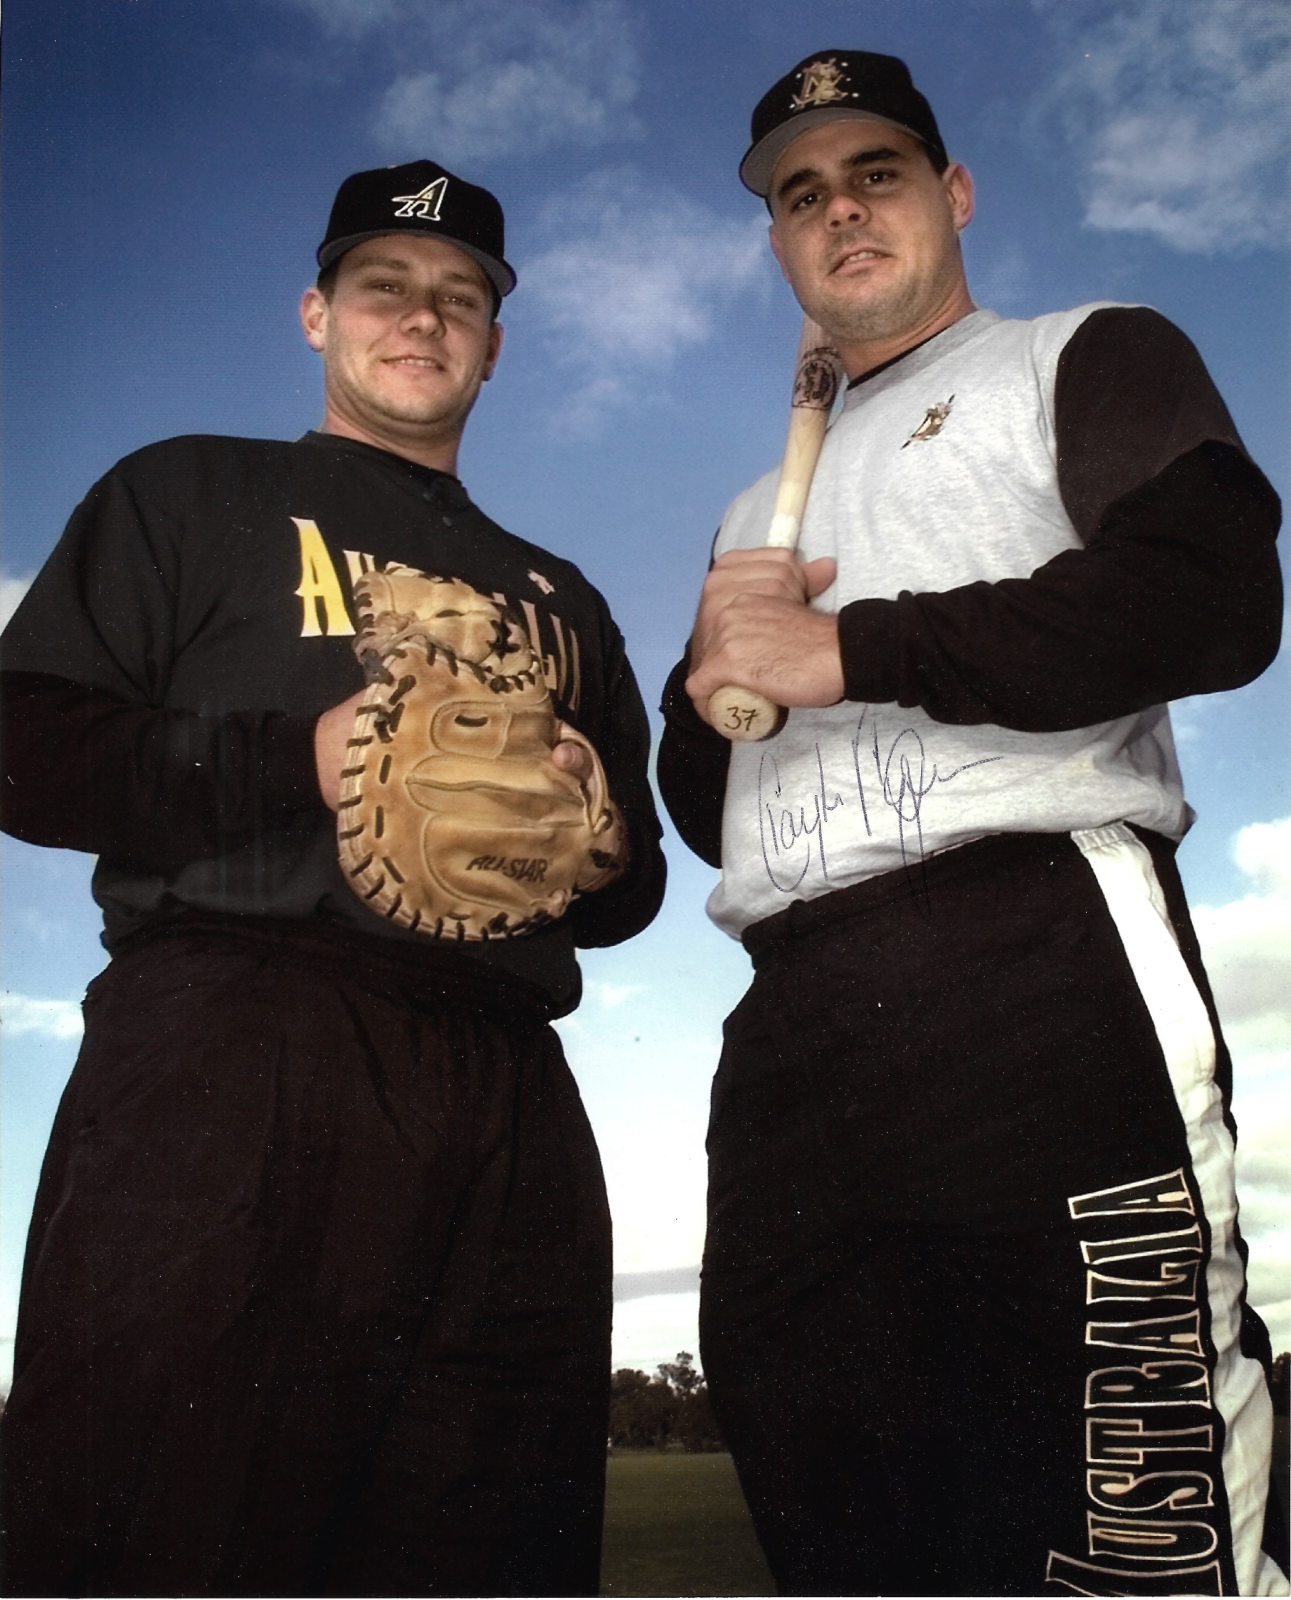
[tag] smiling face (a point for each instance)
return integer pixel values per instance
(407, 338)
(867, 233)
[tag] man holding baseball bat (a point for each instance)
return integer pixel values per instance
(973, 1309)
(318, 1287)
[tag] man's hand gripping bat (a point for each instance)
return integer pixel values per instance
(743, 714)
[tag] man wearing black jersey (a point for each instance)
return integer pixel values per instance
(317, 1293)
(973, 1311)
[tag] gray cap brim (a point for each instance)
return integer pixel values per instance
(498, 272)
(761, 160)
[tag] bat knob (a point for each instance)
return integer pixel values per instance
(744, 716)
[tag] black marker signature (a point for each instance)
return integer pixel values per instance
(792, 829)
(785, 832)
(904, 778)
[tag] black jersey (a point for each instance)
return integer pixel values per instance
(164, 673)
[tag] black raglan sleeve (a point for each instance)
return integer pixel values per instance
(94, 759)
(692, 767)
(1176, 590)
(622, 740)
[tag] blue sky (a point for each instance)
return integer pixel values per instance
(169, 167)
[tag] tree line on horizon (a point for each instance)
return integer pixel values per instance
(670, 1410)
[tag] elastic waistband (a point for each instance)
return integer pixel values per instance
(920, 882)
(432, 972)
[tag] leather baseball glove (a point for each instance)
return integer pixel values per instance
(453, 819)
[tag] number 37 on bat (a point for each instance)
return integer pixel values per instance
(739, 719)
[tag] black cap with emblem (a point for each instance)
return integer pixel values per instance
(827, 86)
(419, 197)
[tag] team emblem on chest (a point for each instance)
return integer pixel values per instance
(934, 420)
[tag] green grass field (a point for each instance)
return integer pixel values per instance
(677, 1524)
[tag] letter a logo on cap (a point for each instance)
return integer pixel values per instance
(426, 204)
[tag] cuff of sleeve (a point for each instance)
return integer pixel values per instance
(868, 642)
(624, 907)
(288, 774)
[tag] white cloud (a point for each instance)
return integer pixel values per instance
(609, 996)
(1247, 949)
(1247, 946)
(1247, 943)
(499, 78)
(11, 592)
(1263, 1167)
(56, 1019)
(653, 1328)
(1000, 274)
(646, 1087)
(670, 1280)
(1178, 109)
(1189, 720)
(475, 80)
(624, 276)
(1263, 852)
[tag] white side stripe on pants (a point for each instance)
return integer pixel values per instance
(1123, 867)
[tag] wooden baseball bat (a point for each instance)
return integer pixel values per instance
(743, 715)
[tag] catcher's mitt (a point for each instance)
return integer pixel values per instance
(453, 819)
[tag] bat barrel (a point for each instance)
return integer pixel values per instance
(743, 715)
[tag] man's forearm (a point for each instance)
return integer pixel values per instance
(155, 787)
(1177, 593)
(692, 767)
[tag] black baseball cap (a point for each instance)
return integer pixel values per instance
(827, 87)
(419, 197)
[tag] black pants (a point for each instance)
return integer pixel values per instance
(317, 1295)
(957, 1237)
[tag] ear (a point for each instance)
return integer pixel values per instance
(313, 318)
(493, 351)
(958, 184)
